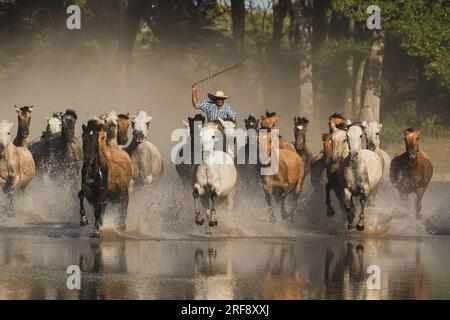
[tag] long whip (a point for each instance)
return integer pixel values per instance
(238, 65)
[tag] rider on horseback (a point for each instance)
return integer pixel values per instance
(216, 108)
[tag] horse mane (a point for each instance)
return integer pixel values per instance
(342, 126)
(25, 109)
(72, 113)
(409, 130)
(124, 116)
(356, 123)
(337, 116)
(300, 121)
(270, 114)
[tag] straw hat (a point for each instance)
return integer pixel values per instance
(218, 95)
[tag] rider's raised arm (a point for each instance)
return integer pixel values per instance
(194, 96)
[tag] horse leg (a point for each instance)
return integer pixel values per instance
(420, 192)
(360, 224)
(330, 210)
(268, 197)
(348, 199)
(123, 211)
(97, 214)
(212, 219)
(10, 205)
(198, 216)
(294, 205)
(83, 219)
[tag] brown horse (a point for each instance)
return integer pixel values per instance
(123, 124)
(269, 122)
(106, 175)
(289, 177)
(411, 170)
(319, 164)
(300, 129)
(23, 130)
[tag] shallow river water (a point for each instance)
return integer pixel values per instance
(165, 256)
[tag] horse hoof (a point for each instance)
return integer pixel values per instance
(84, 221)
(95, 234)
(360, 227)
(350, 226)
(213, 223)
(330, 212)
(199, 222)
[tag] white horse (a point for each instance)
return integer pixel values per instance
(147, 161)
(215, 177)
(17, 167)
(372, 132)
(359, 174)
(54, 125)
(229, 131)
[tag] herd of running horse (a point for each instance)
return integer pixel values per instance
(109, 168)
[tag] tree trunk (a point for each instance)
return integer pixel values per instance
(358, 88)
(348, 91)
(304, 14)
(280, 10)
(238, 17)
(372, 95)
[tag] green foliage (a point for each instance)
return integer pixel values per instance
(334, 49)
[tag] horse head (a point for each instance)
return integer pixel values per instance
(336, 120)
(327, 145)
(412, 138)
(300, 129)
(198, 120)
(354, 138)
(339, 146)
(69, 120)
(54, 125)
(372, 132)
(251, 123)
(123, 124)
(90, 138)
(141, 124)
(5, 135)
(270, 120)
(111, 122)
(209, 135)
(24, 116)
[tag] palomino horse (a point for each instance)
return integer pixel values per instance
(147, 161)
(106, 176)
(269, 122)
(300, 129)
(23, 130)
(319, 164)
(123, 124)
(289, 176)
(359, 175)
(16, 165)
(372, 132)
(339, 152)
(411, 170)
(215, 178)
(187, 168)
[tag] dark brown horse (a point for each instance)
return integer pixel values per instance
(411, 170)
(300, 129)
(319, 164)
(123, 124)
(23, 130)
(105, 177)
(336, 120)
